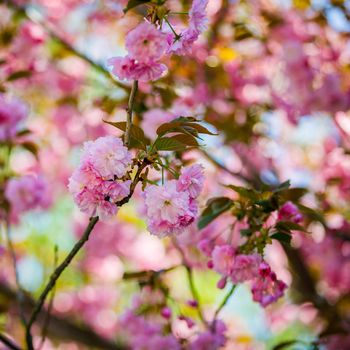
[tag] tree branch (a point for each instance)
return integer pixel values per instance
(55, 276)
(8, 342)
(60, 328)
(129, 112)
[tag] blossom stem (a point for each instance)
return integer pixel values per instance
(55, 276)
(177, 36)
(129, 112)
(224, 302)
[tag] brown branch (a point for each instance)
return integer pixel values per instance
(8, 342)
(129, 110)
(55, 276)
(60, 328)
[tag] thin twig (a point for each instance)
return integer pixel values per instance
(14, 264)
(8, 342)
(55, 276)
(224, 302)
(129, 112)
(49, 308)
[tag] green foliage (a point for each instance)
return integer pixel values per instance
(215, 207)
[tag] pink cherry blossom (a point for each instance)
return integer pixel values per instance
(223, 257)
(26, 193)
(197, 14)
(290, 212)
(12, 113)
(127, 68)
(108, 156)
(191, 180)
(267, 288)
(197, 23)
(93, 185)
(146, 43)
(245, 267)
(168, 210)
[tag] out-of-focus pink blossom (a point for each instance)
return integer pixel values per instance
(152, 119)
(211, 340)
(146, 43)
(191, 180)
(12, 113)
(26, 193)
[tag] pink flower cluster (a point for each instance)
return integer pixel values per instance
(97, 184)
(26, 193)
(12, 113)
(290, 212)
(197, 23)
(146, 45)
(241, 268)
(172, 207)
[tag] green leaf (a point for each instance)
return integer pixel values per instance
(188, 140)
(283, 186)
(215, 207)
(134, 3)
(19, 75)
(289, 226)
(311, 213)
(168, 144)
(293, 194)
(135, 132)
(284, 345)
(200, 128)
(282, 237)
(245, 232)
(248, 193)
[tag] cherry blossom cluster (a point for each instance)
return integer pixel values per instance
(172, 207)
(98, 183)
(239, 268)
(147, 44)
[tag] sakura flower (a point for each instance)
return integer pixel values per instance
(191, 180)
(108, 156)
(168, 210)
(267, 288)
(26, 193)
(127, 68)
(245, 267)
(223, 259)
(12, 113)
(93, 185)
(197, 23)
(290, 212)
(146, 43)
(198, 17)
